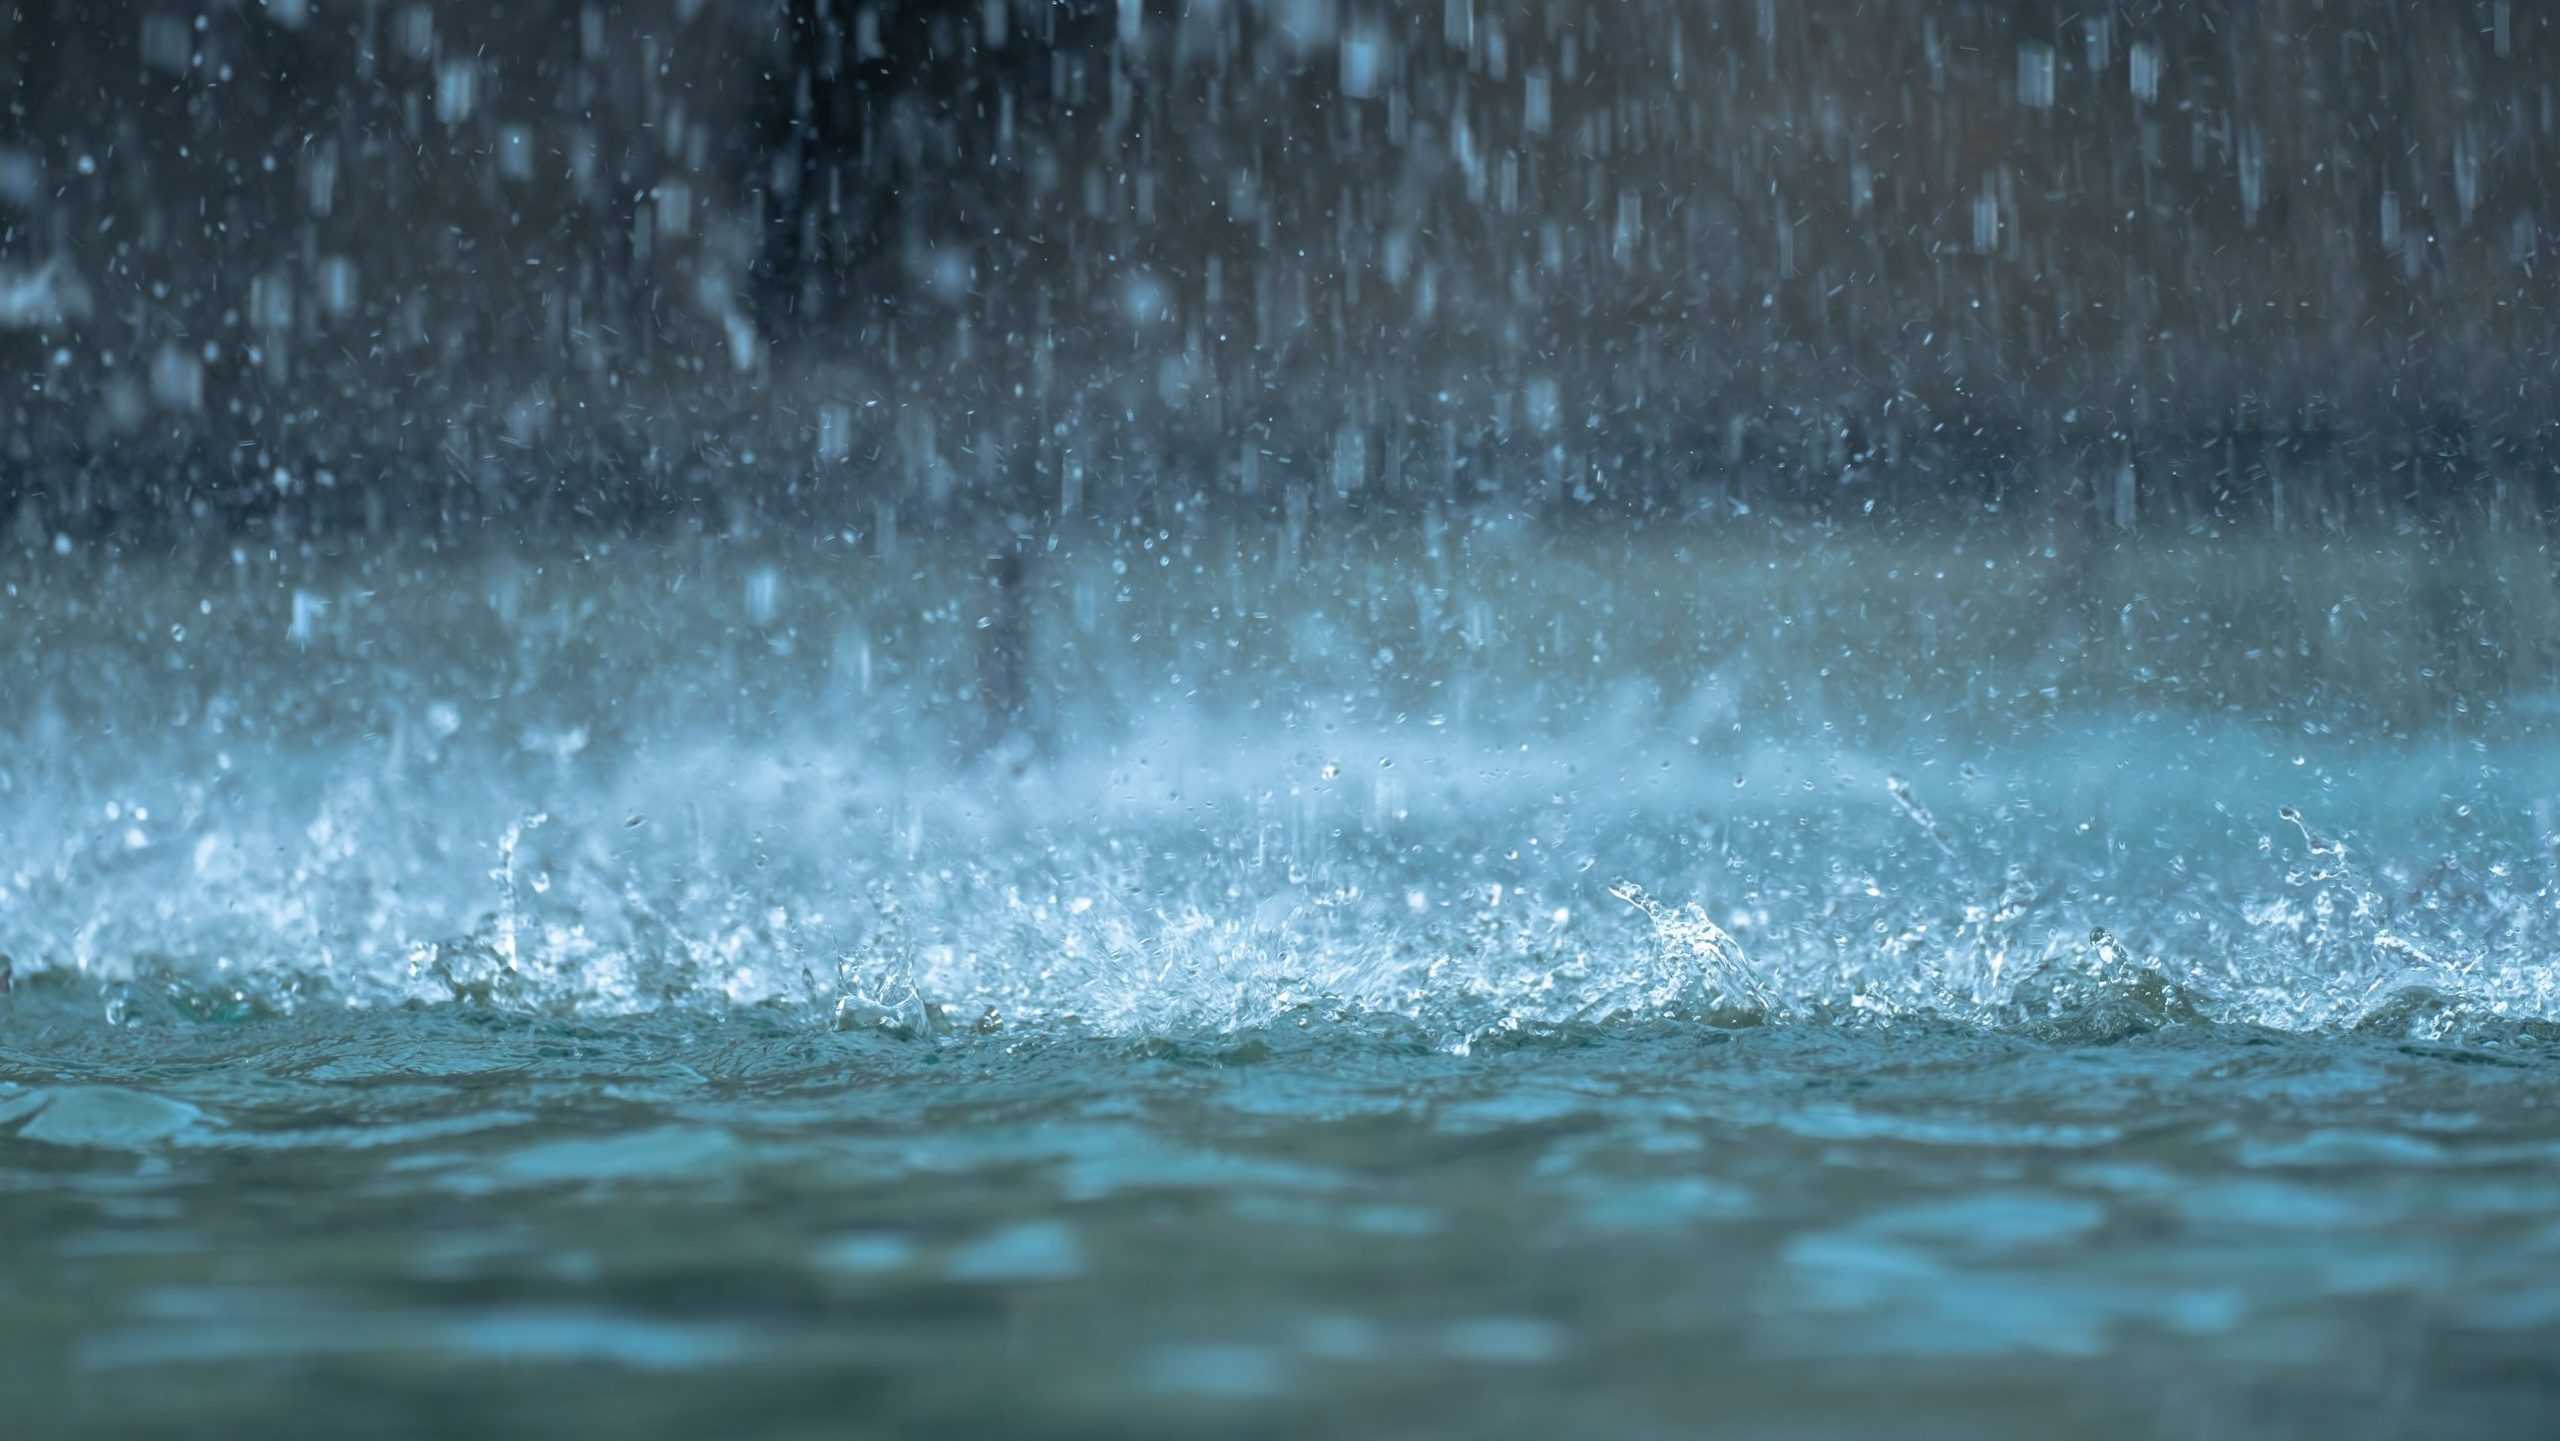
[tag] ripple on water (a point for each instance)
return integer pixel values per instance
(2517, 1308)
(1342, 1338)
(1502, 1340)
(1126, 1158)
(1993, 1222)
(1028, 1252)
(16, 1104)
(593, 1336)
(108, 1118)
(867, 1254)
(1616, 1204)
(1833, 1122)
(2343, 1148)
(1856, 1289)
(1217, 1369)
(1966, 1276)
(238, 1327)
(2275, 1206)
(661, 1153)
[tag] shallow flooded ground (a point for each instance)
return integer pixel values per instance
(1607, 990)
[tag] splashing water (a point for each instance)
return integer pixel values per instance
(645, 973)
(994, 718)
(604, 795)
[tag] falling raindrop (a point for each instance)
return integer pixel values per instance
(2143, 71)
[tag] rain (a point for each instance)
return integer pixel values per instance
(1168, 717)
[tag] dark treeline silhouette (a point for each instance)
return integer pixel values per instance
(469, 265)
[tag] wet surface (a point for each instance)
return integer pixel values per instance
(453, 991)
(1778, 1230)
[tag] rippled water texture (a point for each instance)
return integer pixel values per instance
(1513, 984)
(454, 1222)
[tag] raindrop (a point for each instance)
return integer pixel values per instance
(2143, 69)
(457, 90)
(2035, 75)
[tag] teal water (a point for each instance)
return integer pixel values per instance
(445, 1223)
(463, 996)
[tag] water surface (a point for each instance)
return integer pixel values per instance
(452, 994)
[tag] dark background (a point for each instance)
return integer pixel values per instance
(343, 266)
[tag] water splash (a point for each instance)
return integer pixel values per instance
(1247, 806)
(1693, 960)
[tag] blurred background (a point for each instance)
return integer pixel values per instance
(326, 266)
